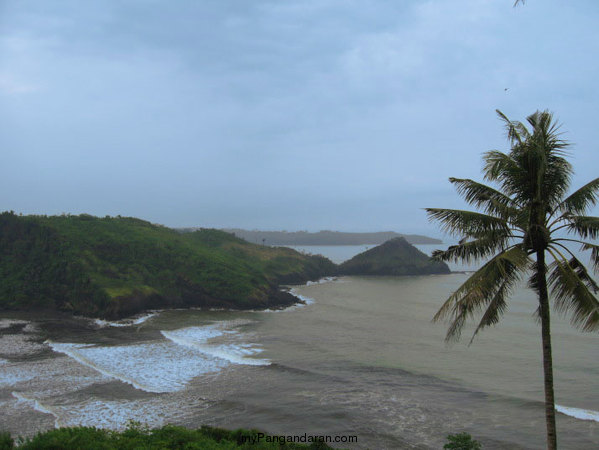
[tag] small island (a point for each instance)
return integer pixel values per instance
(114, 267)
(394, 257)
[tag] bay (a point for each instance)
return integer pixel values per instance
(362, 359)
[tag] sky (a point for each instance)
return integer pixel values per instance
(281, 115)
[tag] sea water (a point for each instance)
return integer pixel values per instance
(360, 358)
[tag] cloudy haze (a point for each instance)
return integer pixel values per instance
(315, 114)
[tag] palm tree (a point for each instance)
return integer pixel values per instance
(521, 223)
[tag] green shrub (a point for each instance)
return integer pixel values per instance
(6, 441)
(462, 441)
(140, 437)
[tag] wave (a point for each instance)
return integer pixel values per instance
(19, 345)
(125, 322)
(583, 414)
(322, 281)
(152, 367)
(306, 301)
(38, 406)
(232, 351)
(169, 365)
(6, 323)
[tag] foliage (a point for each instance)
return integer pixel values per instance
(520, 224)
(524, 216)
(461, 441)
(6, 441)
(118, 266)
(138, 437)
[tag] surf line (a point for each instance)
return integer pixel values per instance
(582, 414)
(70, 350)
(38, 406)
(126, 322)
(200, 343)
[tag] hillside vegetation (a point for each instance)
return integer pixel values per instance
(114, 267)
(117, 266)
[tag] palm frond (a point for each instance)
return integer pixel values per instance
(516, 131)
(498, 167)
(492, 281)
(571, 288)
(582, 199)
(556, 181)
(496, 307)
(467, 223)
(584, 226)
(544, 160)
(467, 251)
(485, 197)
(594, 254)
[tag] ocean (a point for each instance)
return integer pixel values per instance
(360, 359)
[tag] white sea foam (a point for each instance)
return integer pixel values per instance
(12, 374)
(306, 300)
(152, 367)
(232, 350)
(583, 414)
(294, 307)
(125, 322)
(321, 281)
(38, 406)
(115, 415)
(6, 323)
(18, 345)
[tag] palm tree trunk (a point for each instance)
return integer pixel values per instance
(547, 358)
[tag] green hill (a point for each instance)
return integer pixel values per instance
(394, 257)
(116, 266)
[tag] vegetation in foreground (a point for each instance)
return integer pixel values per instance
(137, 437)
(520, 228)
(462, 441)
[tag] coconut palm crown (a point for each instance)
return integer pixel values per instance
(527, 218)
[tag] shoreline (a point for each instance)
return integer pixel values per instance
(279, 299)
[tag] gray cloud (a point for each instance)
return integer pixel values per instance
(295, 115)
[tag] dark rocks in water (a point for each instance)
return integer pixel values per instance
(394, 257)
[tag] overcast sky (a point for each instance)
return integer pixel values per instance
(280, 114)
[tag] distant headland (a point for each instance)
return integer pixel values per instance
(325, 237)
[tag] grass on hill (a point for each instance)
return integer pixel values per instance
(112, 266)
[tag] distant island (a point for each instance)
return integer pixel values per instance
(325, 237)
(113, 267)
(394, 257)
